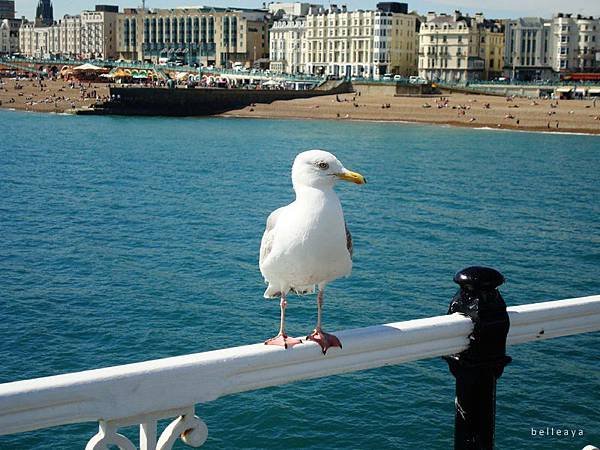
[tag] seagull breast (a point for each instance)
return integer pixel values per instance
(308, 242)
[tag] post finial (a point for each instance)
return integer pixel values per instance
(477, 278)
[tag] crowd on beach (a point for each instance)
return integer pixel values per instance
(466, 111)
(452, 108)
(49, 94)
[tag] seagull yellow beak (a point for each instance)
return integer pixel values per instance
(348, 175)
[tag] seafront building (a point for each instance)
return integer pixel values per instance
(361, 43)
(540, 49)
(287, 34)
(89, 35)
(459, 48)
(9, 37)
(285, 47)
(209, 36)
(299, 37)
(492, 49)
(527, 51)
(575, 43)
(9, 28)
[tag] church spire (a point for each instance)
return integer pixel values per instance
(44, 14)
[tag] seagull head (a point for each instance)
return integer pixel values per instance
(321, 169)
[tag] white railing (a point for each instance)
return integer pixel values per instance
(142, 393)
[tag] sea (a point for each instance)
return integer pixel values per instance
(126, 239)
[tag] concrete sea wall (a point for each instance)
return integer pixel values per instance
(200, 101)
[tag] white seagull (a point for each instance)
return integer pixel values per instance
(307, 243)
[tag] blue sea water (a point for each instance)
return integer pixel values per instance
(129, 239)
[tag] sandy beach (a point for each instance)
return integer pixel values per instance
(56, 96)
(575, 116)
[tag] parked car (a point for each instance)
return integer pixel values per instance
(417, 80)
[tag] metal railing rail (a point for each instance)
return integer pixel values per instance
(142, 393)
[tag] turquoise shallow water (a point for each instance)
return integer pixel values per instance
(128, 239)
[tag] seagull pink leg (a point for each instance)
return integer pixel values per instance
(283, 339)
(325, 340)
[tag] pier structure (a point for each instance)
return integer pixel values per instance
(472, 337)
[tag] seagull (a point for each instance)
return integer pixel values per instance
(307, 243)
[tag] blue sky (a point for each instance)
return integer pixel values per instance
(492, 9)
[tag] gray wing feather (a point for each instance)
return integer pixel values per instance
(348, 240)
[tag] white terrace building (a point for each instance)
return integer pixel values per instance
(575, 43)
(449, 48)
(9, 36)
(89, 35)
(99, 33)
(63, 38)
(360, 43)
(285, 45)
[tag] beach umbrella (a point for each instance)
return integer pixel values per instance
(120, 73)
(88, 66)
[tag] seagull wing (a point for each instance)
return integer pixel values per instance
(267, 240)
(348, 240)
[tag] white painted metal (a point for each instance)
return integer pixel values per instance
(148, 435)
(188, 426)
(547, 320)
(107, 436)
(144, 392)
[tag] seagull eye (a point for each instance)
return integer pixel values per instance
(323, 165)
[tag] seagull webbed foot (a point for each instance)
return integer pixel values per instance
(283, 340)
(325, 340)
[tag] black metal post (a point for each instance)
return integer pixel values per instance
(477, 368)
